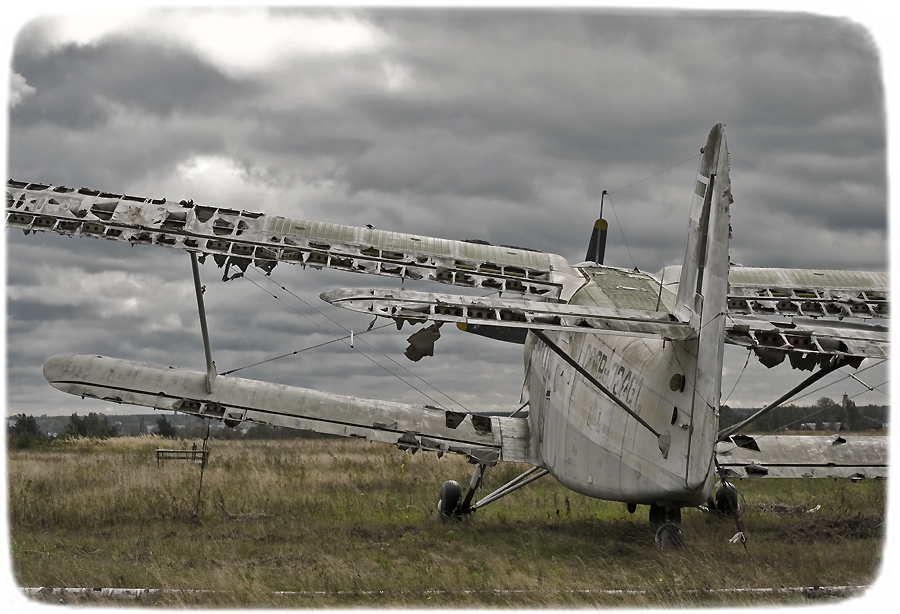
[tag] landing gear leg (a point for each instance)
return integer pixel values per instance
(667, 522)
(449, 506)
(474, 484)
(727, 499)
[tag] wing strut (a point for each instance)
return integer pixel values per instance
(210, 365)
(812, 379)
(663, 439)
(515, 484)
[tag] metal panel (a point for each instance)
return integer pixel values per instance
(238, 238)
(804, 456)
(233, 400)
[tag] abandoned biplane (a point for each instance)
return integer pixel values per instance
(623, 368)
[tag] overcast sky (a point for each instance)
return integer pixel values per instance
(498, 125)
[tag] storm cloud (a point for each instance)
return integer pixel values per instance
(503, 125)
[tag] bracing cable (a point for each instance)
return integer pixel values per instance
(344, 340)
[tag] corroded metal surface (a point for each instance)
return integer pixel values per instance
(237, 238)
(233, 400)
(808, 342)
(808, 292)
(505, 312)
(804, 456)
(618, 288)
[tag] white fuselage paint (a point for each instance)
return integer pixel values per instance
(592, 445)
(586, 440)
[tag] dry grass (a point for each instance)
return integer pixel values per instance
(338, 521)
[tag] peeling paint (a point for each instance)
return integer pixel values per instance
(242, 237)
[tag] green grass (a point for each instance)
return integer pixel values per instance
(334, 519)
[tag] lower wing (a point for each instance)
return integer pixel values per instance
(804, 456)
(482, 439)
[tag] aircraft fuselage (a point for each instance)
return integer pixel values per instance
(591, 445)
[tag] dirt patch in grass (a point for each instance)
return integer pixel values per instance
(828, 528)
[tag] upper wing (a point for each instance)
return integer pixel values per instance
(807, 292)
(803, 456)
(237, 238)
(817, 301)
(411, 427)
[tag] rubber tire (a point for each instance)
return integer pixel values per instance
(669, 536)
(451, 492)
(727, 499)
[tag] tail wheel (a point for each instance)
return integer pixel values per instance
(450, 494)
(727, 499)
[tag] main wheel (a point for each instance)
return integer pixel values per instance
(450, 494)
(669, 536)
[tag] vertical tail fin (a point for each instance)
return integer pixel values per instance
(705, 260)
(702, 297)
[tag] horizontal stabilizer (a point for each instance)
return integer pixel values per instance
(410, 427)
(804, 456)
(410, 306)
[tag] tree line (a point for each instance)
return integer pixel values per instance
(825, 415)
(27, 431)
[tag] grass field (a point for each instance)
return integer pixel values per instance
(336, 522)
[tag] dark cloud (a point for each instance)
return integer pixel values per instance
(119, 75)
(498, 125)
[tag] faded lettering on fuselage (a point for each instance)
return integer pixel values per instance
(616, 375)
(610, 370)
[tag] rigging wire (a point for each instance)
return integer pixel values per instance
(819, 411)
(311, 347)
(621, 231)
(746, 362)
(831, 384)
(610, 193)
(655, 174)
(840, 380)
(363, 340)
